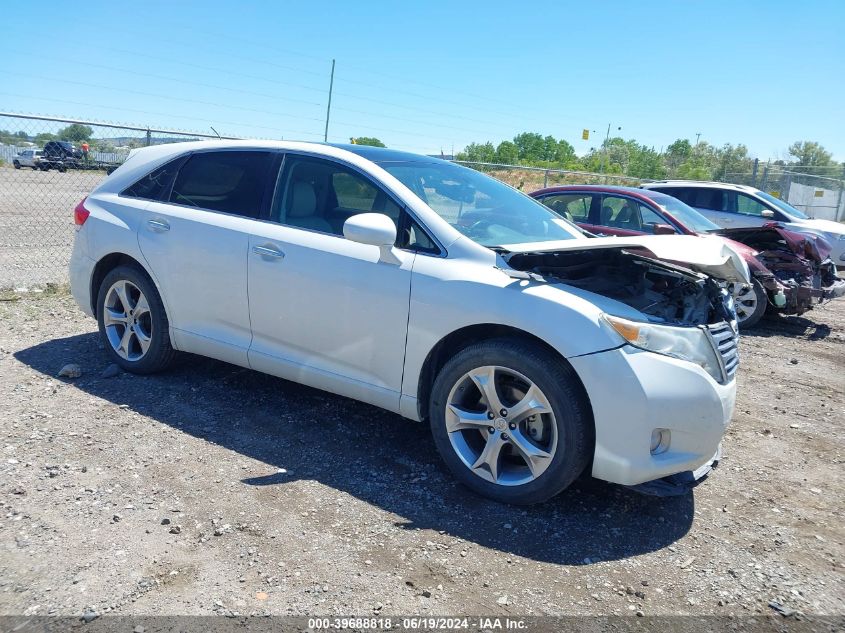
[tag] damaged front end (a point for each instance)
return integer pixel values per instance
(799, 272)
(666, 293)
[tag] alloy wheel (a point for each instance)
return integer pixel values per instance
(127, 320)
(501, 425)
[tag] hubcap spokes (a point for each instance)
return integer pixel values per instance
(745, 300)
(501, 425)
(127, 320)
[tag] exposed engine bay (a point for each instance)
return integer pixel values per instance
(668, 293)
(798, 262)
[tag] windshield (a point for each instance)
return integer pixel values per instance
(482, 208)
(684, 213)
(787, 208)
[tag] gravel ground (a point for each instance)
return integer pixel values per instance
(213, 489)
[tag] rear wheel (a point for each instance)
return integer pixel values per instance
(510, 420)
(133, 324)
(750, 302)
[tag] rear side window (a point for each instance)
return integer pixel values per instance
(155, 185)
(572, 206)
(233, 182)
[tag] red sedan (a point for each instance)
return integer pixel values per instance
(774, 255)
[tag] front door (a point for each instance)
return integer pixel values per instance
(326, 311)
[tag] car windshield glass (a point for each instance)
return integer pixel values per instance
(684, 213)
(482, 208)
(787, 208)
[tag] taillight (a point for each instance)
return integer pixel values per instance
(80, 213)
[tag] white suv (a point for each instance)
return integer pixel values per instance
(737, 206)
(425, 288)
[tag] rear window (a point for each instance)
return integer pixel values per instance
(156, 184)
(231, 181)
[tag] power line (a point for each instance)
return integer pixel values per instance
(150, 94)
(149, 112)
(166, 78)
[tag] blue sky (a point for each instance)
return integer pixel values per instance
(436, 75)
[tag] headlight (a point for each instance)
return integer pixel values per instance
(691, 344)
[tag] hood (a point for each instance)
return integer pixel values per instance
(710, 255)
(804, 244)
(827, 226)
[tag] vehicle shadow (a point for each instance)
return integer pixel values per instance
(374, 455)
(783, 325)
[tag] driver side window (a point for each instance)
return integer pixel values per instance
(746, 205)
(320, 195)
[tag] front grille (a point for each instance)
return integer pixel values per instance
(726, 341)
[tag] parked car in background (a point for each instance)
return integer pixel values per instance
(788, 275)
(61, 150)
(428, 289)
(27, 158)
(740, 206)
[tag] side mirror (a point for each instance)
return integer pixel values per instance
(768, 213)
(664, 229)
(375, 229)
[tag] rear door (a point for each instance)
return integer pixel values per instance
(576, 206)
(196, 241)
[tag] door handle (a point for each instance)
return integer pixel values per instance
(266, 251)
(158, 225)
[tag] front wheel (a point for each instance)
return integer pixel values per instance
(16, 164)
(132, 321)
(750, 302)
(511, 421)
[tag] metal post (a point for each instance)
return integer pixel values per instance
(329, 107)
(149, 137)
(839, 214)
(604, 153)
(754, 172)
(765, 182)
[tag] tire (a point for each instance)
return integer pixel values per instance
(750, 304)
(146, 349)
(16, 164)
(560, 437)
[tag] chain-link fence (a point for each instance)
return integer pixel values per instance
(530, 179)
(820, 196)
(47, 166)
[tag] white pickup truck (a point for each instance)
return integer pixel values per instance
(27, 158)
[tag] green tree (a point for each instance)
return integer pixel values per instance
(676, 155)
(367, 140)
(507, 153)
(478, 153)
(44, 137)
(732, 159)
(76, 133)
(810, 153)
(531, 147)
(564, 153)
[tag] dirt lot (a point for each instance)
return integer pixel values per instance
(36, 223)
(213, 489)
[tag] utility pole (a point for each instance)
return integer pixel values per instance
(697, 136)
(329, 107)
(604, 153)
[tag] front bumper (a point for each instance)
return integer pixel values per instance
(634, 392)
